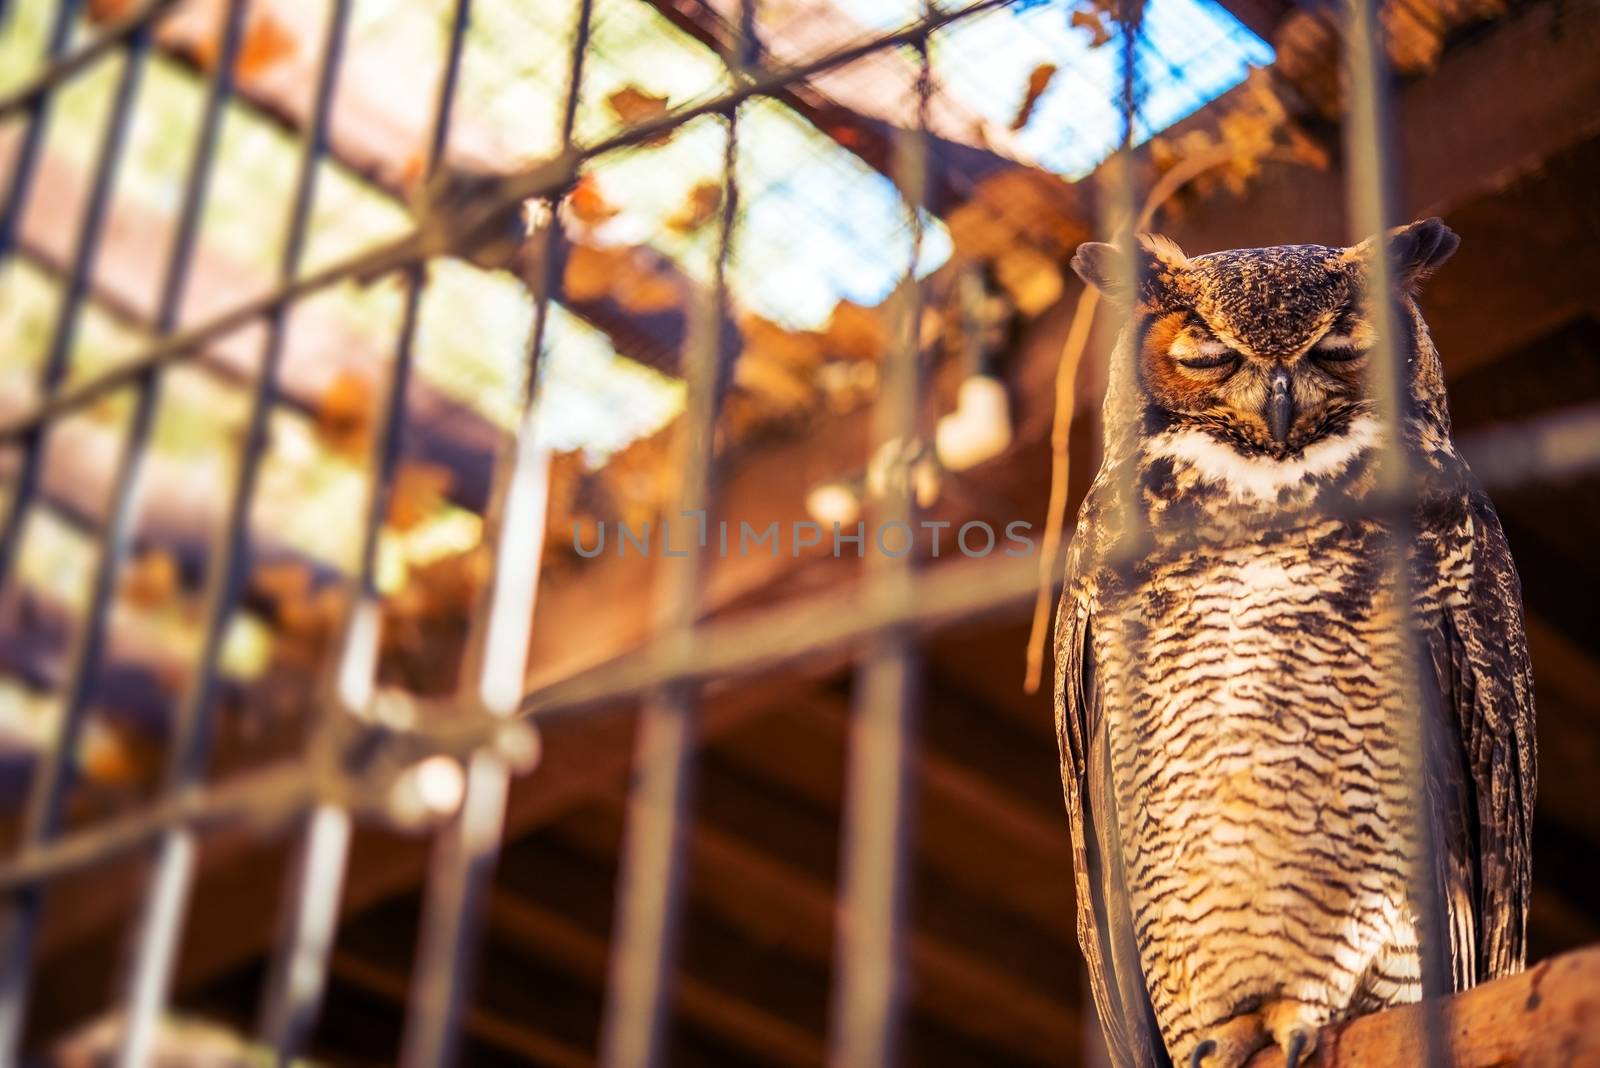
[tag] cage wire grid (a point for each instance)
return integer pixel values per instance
(317, 801)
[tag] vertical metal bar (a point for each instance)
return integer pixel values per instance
(35, 126)
(309, 921)
(299, 969)
(65, 333)
(650, 878)
(116, 534)
(494, 666)
(1369, 159)
(41, 822)
(158, 934)
(879, 816)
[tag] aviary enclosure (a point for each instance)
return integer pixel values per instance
(434, 621)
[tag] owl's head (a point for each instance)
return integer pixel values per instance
(1266, 348)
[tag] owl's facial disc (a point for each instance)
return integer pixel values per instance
(1274, 404)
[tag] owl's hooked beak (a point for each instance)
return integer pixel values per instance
(1280, 405)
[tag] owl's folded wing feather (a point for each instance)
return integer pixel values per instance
(1484, 767)
(1105, 928)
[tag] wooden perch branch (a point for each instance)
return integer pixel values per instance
(1545, 1016)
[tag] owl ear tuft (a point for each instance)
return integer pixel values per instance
(1416, 250)
(1105, 267)
(1421, 248)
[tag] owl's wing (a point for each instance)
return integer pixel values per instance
(1105, 928)
(1482, 764)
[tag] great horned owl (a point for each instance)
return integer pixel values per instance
(1244, 806)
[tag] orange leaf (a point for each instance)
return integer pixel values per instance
(698, 209)
(111, 756)
(589, 204)
(108, 10)
(344, 412)
(283, 581)
(644, 292)
(633, 105)
(590, 271)
(1089, 19)
(266, 43)
(418, 493)
(855, 332)
(1038, 82)
(151, 580)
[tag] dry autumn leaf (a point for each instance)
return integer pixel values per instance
(112, 755)
(418, 493)
(282, 581)
(699, 208)
(344, 413)
(1090, 19)
(151, 580)
(1032, 279)
(108, 10)
(589, 205)
(855, 332)
(622, 274)
(633, 106)
(589, 271)
(266, 44)
(645, 292)
(1038, 82)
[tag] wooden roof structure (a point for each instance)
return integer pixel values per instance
(996, 978)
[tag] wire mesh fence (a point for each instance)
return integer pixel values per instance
(616, 198)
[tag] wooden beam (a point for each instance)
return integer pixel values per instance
(555, 901)
(766, 866)
(1542, 1017)
(977, 836)
(515, 1036)
(1260, 17)
(528, 1001)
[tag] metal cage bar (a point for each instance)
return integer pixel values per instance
(47, 791)
(879, 818)
(651, 873)
(53, 370)
(160, 928)
(1369, 192)
(464, 857)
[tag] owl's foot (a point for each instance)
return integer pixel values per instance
(1230, 1044)
(1293, 1027)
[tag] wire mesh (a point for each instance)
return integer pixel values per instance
(469, 199)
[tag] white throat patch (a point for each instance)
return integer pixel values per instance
(1262, 478)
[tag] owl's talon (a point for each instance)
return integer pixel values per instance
(1230, 1043)
(1295, 1050)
